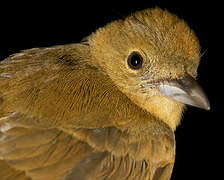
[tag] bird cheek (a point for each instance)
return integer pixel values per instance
(148, 91)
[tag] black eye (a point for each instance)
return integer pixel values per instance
(135, 61)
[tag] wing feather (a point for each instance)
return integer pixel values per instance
(50, 127)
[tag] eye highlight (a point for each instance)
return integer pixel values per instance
(135, 60)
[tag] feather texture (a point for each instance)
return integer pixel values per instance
(78, 111)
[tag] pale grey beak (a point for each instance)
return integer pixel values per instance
(185, 90)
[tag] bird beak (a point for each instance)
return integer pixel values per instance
(185, 90)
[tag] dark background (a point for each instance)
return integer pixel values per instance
(41, 24)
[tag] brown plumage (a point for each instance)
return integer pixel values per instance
(106, 108)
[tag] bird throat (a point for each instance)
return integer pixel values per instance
(166, 109)
(163, 108)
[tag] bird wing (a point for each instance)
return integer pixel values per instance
(86, 154)
(29, 141)
(56, 79)
(42, 154)
(49, 129)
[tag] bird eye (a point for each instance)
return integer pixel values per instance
(135, 61)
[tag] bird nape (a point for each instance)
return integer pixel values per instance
(106, 108)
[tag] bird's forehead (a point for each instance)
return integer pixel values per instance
(164, 33)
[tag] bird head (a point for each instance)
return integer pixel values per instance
(152, 57)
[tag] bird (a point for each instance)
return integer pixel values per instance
(105, 108)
